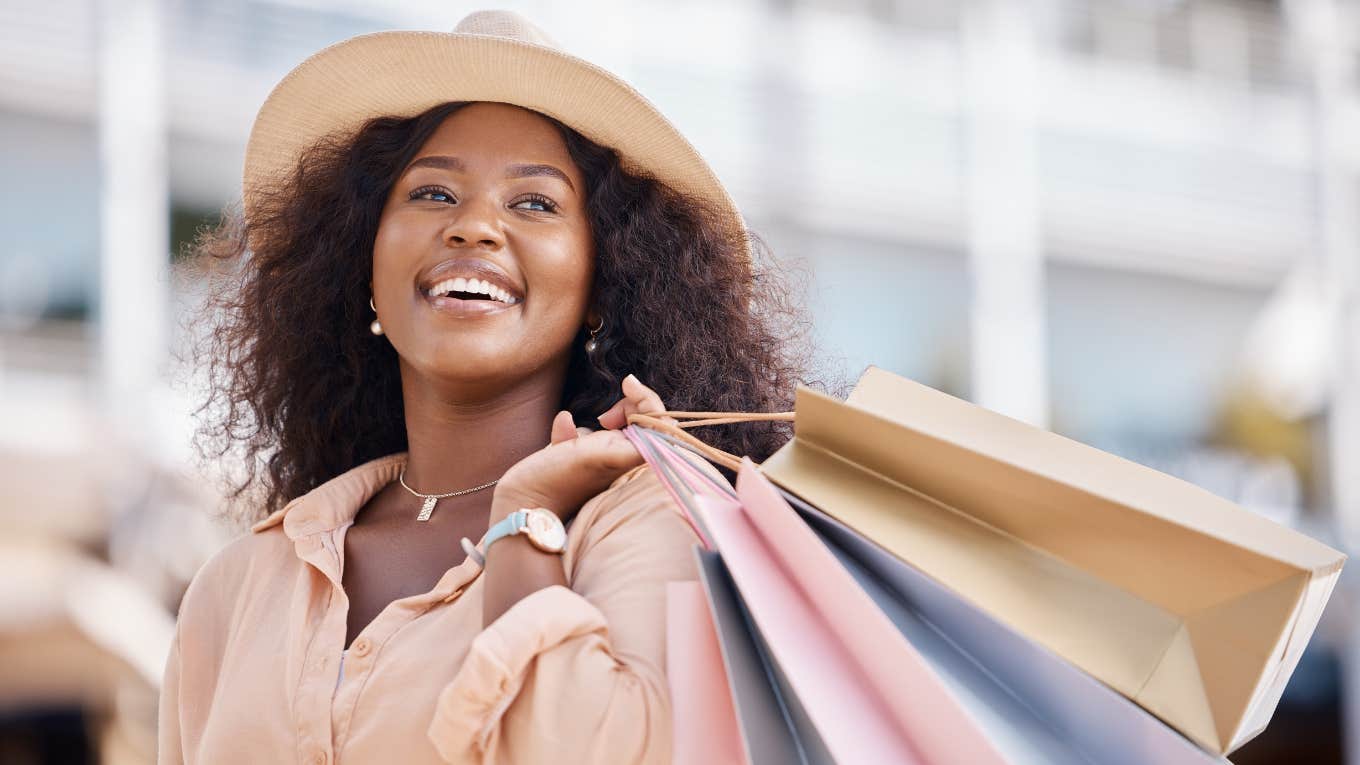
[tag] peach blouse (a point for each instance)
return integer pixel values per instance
(565, 675)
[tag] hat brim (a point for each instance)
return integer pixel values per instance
(404, 73)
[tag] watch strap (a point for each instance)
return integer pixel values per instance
(512, 524)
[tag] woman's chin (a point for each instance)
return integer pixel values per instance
(472, 361)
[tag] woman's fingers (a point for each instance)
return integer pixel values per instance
(644, 399)
(564, 428)
(613, 451)
(565, 474)
(637, 399)
(614, 417)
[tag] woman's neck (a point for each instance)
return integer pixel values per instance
(461, 436)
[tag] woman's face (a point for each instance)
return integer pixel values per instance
(492, 198)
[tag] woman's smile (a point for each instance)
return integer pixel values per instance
(469, 287)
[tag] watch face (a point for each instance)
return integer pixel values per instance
(546, 531)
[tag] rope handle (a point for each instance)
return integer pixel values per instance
(730, 461)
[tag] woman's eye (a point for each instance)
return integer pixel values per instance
(433, 193)
(546, 204)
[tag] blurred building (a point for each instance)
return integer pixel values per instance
(1135, 222)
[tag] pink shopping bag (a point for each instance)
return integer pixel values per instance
(705, 727)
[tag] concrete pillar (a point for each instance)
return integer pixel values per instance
(133, 300)
(1004, 234)
(1325, 33)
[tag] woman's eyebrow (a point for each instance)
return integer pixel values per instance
(444, 162)
(531, 170)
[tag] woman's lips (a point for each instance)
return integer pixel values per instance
(453, 306)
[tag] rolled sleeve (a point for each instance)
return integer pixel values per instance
(577, 675)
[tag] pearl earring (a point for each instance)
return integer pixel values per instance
(592, 344)
(376, 326)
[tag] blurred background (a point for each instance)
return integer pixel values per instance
(1136, 223)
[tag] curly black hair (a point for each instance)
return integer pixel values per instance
(298, 386)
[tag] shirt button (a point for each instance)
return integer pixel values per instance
(319, 758)
(361, 647)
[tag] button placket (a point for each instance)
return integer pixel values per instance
(359, 662)
(314, 707)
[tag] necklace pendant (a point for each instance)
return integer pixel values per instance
(427, 508)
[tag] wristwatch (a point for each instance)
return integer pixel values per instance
(541, 525)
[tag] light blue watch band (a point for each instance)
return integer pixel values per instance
(510, 524)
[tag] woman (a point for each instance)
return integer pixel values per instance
(441, 280)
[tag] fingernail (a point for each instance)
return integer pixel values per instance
(634, 377)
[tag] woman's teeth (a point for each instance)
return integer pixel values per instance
(472, 286)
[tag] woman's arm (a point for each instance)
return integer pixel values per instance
(515, 568)
(577, 675)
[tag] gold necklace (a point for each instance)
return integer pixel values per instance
(432, 499)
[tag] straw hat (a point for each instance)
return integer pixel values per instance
(489, 56)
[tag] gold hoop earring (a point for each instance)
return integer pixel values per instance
(592, 343)
(376, 326)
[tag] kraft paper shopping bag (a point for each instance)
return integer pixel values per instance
(1195, 608)
(1086, 715)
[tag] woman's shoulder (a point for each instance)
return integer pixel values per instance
(248, 562)
(632, 496)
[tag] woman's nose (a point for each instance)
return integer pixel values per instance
(474, 220)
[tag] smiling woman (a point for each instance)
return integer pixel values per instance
(425, 294)
(302, 393)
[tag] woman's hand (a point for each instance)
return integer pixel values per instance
(578, 463)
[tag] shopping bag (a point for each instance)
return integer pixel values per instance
(705, 728)
(1036, 706)
(1194, 608)
(1092, 720)
(1024, 737)
(774, 726)
(784, 734)
(867, 692)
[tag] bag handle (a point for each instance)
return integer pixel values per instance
(712, 453)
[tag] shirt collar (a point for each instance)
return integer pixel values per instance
(335, 502)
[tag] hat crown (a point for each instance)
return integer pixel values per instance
(508, 24)
(491, 55)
